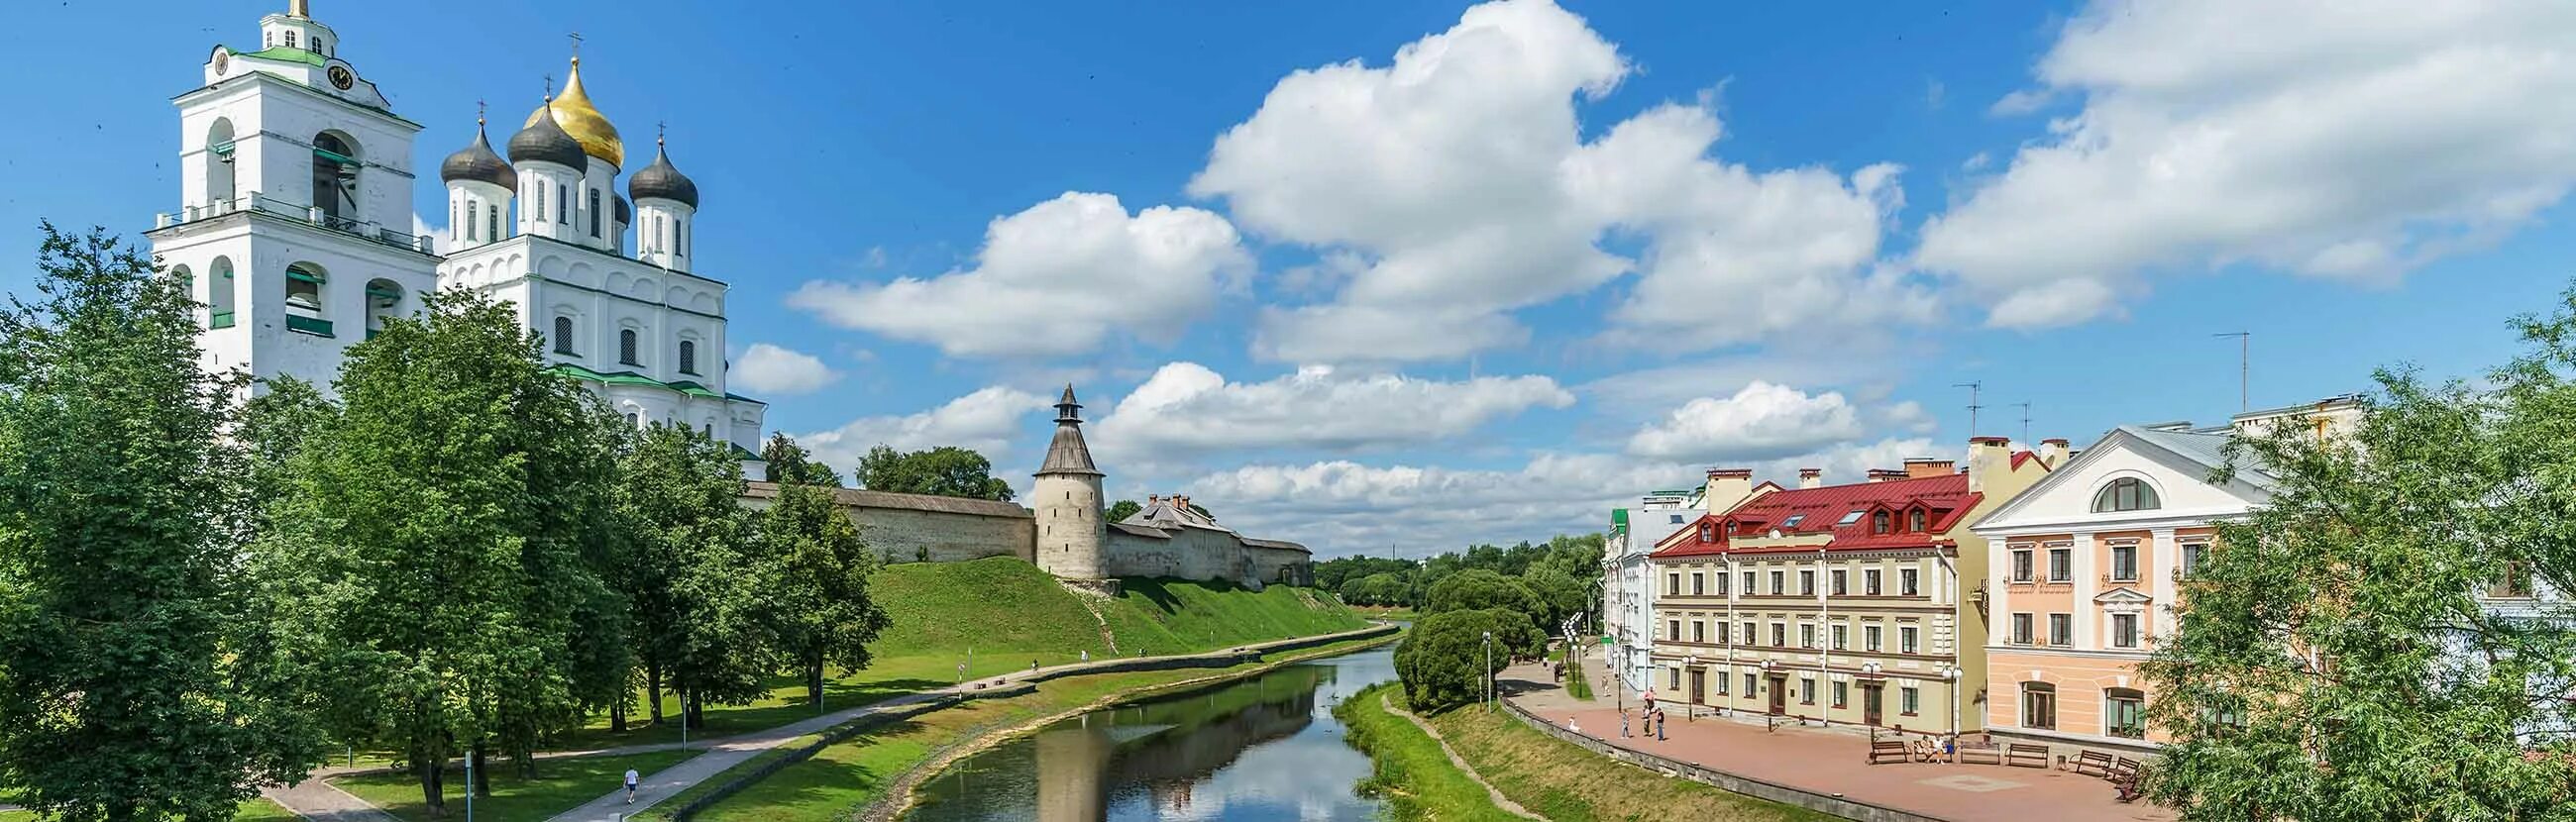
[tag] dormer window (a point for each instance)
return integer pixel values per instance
(1792, 521)
(1916, 521)
(1879, 522)
(1707, 532)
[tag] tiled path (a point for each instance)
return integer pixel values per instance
(1835, 762)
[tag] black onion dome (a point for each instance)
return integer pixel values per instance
(663, 181)
(625, 211)
(545, 140)
(478, 163)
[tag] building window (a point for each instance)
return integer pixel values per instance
(538, 192)
(473, 220)
(594, 213)
(492, 222)
(688, 357)
(2126, 494)
(2038, 705)
(1748, 583)
(2124, 563)
(1842, 694)
(1806, 690)
(1849, 518)
(1878, 522)
(1722, 639)
(1673, 630)
(2061, 565)
(1721, 583)
(1841, 578)
(1842, 637)
(2124, 630)
(304, 291)
(1675, 679)
(1673, 583)
(1699, 632)
(1779, 583)
(1806, 635)
(2021, 566)
(2021, 629)
(1779, 634)
(1699, 584)
(1916, 521)
(1906, 581)
(626, 347)
(1869, 582)
(2124, 713)
(1905, 640)
(1869, 638)
(1750, 635)
(563, 205)
(290, 38)
(1806, 583)
(2191, 552)
(1721, 681)
(1751, 685)
(563, 335)
(2061, 629)
(1909, 700)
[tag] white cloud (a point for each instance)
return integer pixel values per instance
(770, 369)
(1455, 187)
(1762, 421)
(985, 421)
(2332, 139)
(1054, 280)
(1187, 408)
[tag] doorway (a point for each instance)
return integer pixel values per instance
(1779, 686)
(1699, 686)
(1870, 694)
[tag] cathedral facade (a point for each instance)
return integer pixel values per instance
(295, 230)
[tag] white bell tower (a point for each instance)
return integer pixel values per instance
(295, 223)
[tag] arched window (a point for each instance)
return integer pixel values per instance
(382, 298)
(219, 293)
(1878, 522)
(494, 222)
(563, 335)
(2126, 494)
(1916, 521)
(594, 213)
(2038, 705)
(680, 230)
(688, 357)
(2124, 713)
(563, 206)
(1707, 532)
(290, 38)
(305, 306)
(335, 177)
(473, 220)
(626, 347)
(219, 164)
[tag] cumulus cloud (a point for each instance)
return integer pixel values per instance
(985, 421)
(2342, 140)
(1452, 187)
(770, 369)
(1188, 408)
(1056, 279)
(1761, 421)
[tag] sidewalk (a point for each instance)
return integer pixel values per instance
(1832, 761)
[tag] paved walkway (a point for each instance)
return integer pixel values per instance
(319, 800)
(1833, 761)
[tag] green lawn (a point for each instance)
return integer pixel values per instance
(255, 810)
(561, 785)
(1413, 776)
(1558, 780)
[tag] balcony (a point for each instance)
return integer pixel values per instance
(220, 319)
(311, 215)
(315, 326)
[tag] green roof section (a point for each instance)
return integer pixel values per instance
(284, 54)
(742, 453)
(632, 378)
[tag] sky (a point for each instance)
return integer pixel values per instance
(1405, 276)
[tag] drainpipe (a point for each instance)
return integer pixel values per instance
(1825, 634)
(1727, 565)
(1950, 582)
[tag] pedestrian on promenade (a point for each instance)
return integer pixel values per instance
(1623, 723)
(631, 778)
(1659, 724)
(1086, 655)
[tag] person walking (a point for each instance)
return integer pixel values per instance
(1623, 723)
(1659, 724)
(631, 778)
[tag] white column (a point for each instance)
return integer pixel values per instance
(2087, 584)
(2163, 557)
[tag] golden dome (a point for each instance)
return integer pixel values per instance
(583, 121)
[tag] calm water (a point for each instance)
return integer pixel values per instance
(1265, 748)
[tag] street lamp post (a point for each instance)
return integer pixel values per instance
(1485, 700)
(469, 786)
(1951, 674)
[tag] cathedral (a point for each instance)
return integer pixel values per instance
(296, 231)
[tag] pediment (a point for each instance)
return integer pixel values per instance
(2122, 596)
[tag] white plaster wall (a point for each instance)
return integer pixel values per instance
(1070, 533)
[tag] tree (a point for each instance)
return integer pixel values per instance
(1386, 589)
(1558, 595)
(1119, 511)
(1480, 589)
(117, 577)
(820, 611)
(1442, 662)
(702, 579)
(2335, 660)
(945, 471)
(784, 461)
(446, 530)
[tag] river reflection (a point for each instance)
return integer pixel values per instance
(1265, 748)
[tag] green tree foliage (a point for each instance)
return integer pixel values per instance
(1558, 595)
(1480, 589)
(2335, 659)
(1385, 590)
(117, 577)
(1332, 573)
(1119, 511)
(784, 461)
(700, 583)
(1442, 662)
(445, 532)
(946, 471)
(820, 610)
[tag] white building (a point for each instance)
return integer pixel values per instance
(296, 211)
(1627, 579)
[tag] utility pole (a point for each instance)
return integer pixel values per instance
(1973, 387)
(2025, 424)
(2244, 368)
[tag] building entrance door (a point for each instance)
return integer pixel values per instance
(1699, 686)
(1779, 695)
(1870, 692)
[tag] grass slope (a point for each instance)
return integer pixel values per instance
(1561, 781)
(1414, 778)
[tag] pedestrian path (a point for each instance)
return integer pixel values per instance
(320, 801)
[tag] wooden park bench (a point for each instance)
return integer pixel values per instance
(1981, 752)
(2026, 756)
(2093, 763)
(2128, 778)
(1882, 751)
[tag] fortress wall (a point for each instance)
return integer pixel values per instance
(1191, 553)
(1279, 564)
(912, 527)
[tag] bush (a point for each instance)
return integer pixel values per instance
(1480, 589)
(1441, 661)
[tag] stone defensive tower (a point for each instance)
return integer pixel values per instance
(1066, 496)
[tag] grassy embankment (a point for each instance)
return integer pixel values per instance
(561, 785)
(1550, 777)
(851, 775)
(255, 810)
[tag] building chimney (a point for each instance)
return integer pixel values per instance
(1885, 474)
(1920, 467)
(1727, 488)
(1988, 458)
(2054, 452)
(1811, 477)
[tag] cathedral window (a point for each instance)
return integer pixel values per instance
(493, 221)
(290, 38)
(563, 335)
(539, 192)
(219, 293)
(688, 357)
(563, 206)
(594, 212)
(473, 220)
(626, 347)
(684, 236)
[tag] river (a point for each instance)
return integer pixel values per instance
(1265, 748)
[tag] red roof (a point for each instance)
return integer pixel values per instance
(1944, 500)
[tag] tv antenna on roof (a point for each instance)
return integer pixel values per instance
(2244, 368)
(2025, 423)
(1973, 387)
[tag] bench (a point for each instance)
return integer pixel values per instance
(2026, 756)
(2128, 779)
(1981, 753)
(1882, 751)
(2093, 763)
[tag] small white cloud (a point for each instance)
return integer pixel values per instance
(1187, 408)
(1763, 421)
(769, 369)
(985, 421)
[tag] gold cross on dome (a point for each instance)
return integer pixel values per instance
(576, 45)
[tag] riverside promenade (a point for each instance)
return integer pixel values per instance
(1829, 762)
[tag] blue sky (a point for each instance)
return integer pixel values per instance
(1546, 259)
